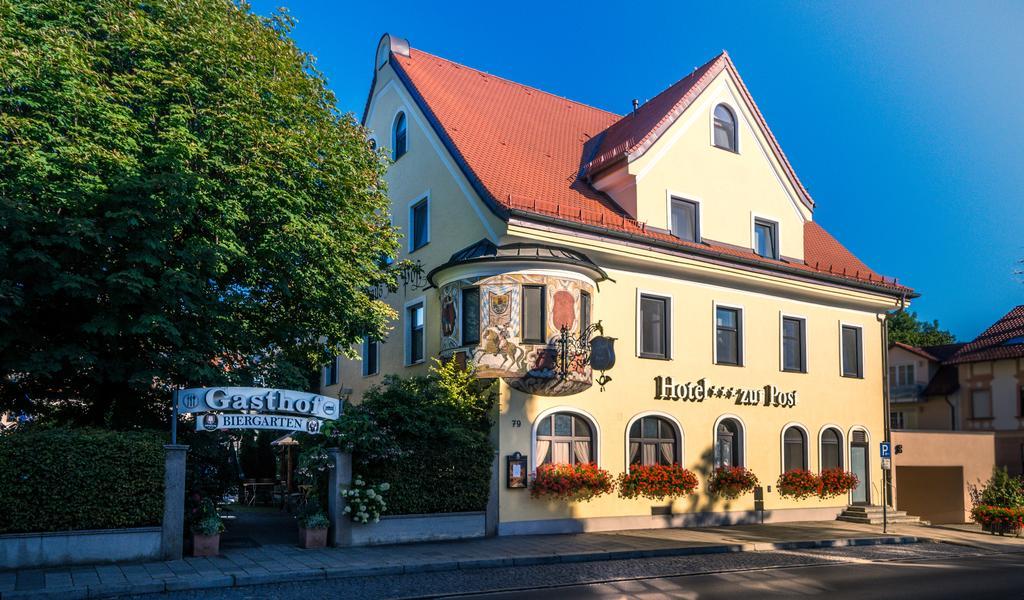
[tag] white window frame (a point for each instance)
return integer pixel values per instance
(594, 426)
(782, 343)
(743, 438)
(782, 445)
(754, 218)
(844, 462)
(736, 123)
(669, 197)
(422, 198)
(407, 331)
(742, 337)
(668, 315)
(394, 133)
(680, 436)
(365, 351)
(327, 369)
(842, 357)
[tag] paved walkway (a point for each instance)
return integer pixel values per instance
(284, 563)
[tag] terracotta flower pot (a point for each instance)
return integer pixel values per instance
(205, 545)
(312, 538)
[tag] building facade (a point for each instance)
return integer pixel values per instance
(744, 333)
(924, 392)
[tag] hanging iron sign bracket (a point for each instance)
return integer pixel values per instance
(586, 349)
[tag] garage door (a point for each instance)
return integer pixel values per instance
(935, 494)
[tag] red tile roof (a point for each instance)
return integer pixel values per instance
(1004, 339)
(914, 350)
(524, 151)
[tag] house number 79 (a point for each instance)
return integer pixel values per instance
(517, 423)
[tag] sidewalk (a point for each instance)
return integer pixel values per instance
(285, 563)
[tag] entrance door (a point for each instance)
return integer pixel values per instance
(859, 466)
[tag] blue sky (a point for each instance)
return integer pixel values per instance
(903, 119)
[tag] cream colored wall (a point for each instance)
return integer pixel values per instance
(731, 186)
(458, 218)
(1004, 378)
(824, 396)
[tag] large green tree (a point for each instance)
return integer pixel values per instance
(905, 327)
(180, 203)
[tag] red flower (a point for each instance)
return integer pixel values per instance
(731, 482)
(799, 484)
(579, 482)
(657, 482)
(836, 482)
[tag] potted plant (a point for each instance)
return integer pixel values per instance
(365, 503)
(731, 482)
(578, 482)
(998, 520)
(836, 482)
(798, 484)
(998, 506)
(657, 482)
(206, 530)
(313, 525)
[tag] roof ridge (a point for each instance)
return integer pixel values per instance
(516, 83)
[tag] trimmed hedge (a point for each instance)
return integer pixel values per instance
(68, 479)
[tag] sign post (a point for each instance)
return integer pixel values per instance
(885, 450)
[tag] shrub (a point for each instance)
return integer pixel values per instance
(836, 482)
(657, 482)
(998, 519)
(579, 482)
(731, 482)
(365, 503)
(429, 437)
(67, 479)
(799, 484)
(1000, 490)
(311, 516)
(207, 521)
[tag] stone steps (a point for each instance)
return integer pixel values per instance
(872, 515)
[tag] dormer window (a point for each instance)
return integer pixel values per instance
(685, 215)
(766, 238)
(725, 128)
(400, 135)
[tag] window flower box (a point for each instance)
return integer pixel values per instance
(579, 482)
(731, 482)
(657, 482)
(836, 482)
(798, 484)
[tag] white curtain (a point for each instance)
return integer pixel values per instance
(582, 452)
(542, 451)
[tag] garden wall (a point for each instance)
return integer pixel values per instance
(19, 550)
(402, 529)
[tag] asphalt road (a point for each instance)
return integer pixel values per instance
(872, 572)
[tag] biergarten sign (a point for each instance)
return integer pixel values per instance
(698, 391)
(257, 408)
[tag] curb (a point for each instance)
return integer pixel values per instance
(174, 584)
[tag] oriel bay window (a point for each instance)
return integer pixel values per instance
(584, 311)
(794, 449)
(654, 332)
(470, 316)
(831, 449)
(728, 336)
(564, 438)
(534, 315)
(728, 443)
(653, 441)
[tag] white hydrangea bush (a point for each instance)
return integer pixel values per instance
(365, 503)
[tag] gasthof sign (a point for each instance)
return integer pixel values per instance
(258, 400)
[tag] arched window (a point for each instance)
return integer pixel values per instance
(831, 449)
(728, 444)
(400, 135)
(564, 438)
(653, 441)
(725, 128)
(794, 449)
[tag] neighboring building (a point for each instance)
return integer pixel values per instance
(990, 370)
(923, 392)
(746, 334)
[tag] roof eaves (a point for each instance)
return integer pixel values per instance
(888, 290)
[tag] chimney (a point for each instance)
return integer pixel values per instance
(636, 105)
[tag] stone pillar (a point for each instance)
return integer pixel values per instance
(171, 538)
(340, 533)
(491, 517)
